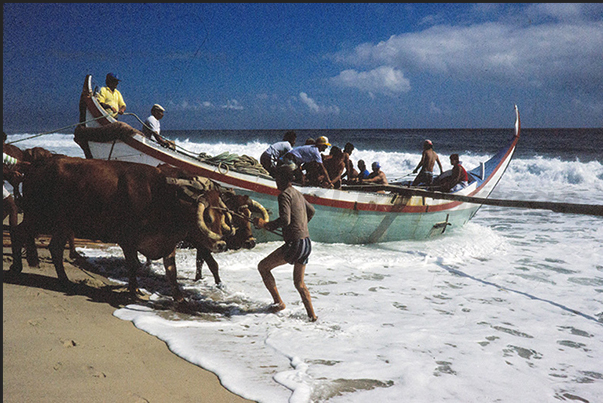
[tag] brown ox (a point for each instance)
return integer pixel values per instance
(240, 209)
(130, 204)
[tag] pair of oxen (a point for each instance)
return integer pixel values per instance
(141, 208)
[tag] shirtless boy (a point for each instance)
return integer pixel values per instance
(428, 160)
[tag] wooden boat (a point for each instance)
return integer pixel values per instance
(351, 216)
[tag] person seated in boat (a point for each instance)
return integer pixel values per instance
(352, 178)
(348, 165)
(376, 177)
(151, 127)
(363, 173)
(110, 98)
(335, 166)
(428, 161)
(458, 179)
(269, 158)
(308, 154)
(358, 175)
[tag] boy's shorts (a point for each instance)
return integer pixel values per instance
(298, 251)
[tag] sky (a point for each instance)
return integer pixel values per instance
(308, 66)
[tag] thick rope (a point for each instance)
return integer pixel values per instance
(234, 162)
(54, 131)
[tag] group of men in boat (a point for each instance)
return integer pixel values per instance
(313, 168)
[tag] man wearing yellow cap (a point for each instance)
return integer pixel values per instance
(309, 155)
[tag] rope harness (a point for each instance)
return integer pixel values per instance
(203, 184)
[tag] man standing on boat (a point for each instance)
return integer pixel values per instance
(109, 97)
(294, 214)
(152, 128)
(428, 160)
(270, 157)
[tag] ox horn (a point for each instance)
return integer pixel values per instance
(227, 228)
(203, 227)
(258, 208)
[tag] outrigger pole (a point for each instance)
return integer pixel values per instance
(570, 208)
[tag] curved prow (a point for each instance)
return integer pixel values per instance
(517, 122)
(490, 172)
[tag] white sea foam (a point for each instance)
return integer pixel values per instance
(507, 308)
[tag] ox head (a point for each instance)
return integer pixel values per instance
(242, 207)
(213, 221)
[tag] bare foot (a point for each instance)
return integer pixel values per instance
(276, 307)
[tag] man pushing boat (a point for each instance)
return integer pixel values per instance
(294, 214)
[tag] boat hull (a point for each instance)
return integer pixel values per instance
(342, 216)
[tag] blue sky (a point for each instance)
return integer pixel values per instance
(309, 66)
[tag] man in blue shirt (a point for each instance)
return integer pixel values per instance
(309, 157)
(364, 173)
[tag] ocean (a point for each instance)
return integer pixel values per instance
(507, 308)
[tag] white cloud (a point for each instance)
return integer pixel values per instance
(564, 11)
(233, 104)
(185, 105)
(434, 109)
(309, 102)
(314, 107)
(551, 54)
(383, 79)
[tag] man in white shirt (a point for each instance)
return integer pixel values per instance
(269, 158)
(152, 128)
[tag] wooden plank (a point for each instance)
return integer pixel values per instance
(569, 208)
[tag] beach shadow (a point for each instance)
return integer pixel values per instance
(114, 295)
(92, 281)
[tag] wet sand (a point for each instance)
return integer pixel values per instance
(66, 346)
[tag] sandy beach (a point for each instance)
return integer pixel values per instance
(63, 346)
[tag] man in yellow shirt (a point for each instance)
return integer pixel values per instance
(110, 98)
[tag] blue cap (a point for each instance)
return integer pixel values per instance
(112, 76)
(376, 165)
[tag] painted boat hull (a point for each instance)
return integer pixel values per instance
(342, 216)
